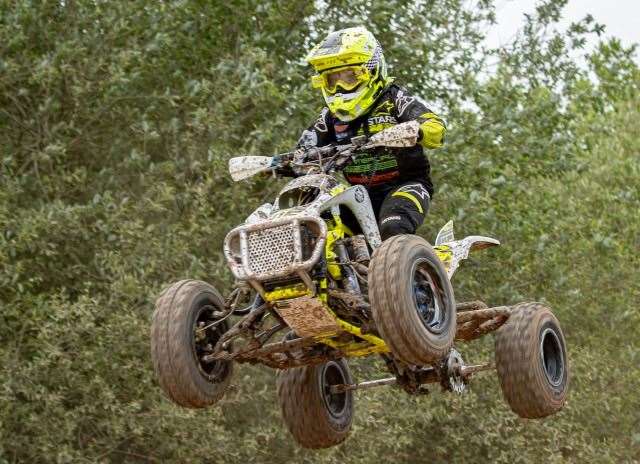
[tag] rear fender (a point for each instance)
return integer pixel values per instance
(451, 251)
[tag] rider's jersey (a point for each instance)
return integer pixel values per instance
(383, 167)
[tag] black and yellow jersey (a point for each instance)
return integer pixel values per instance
(383, 167)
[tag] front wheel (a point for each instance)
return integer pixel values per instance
(183, 330)
(316, 417)
(412, 300)
(531, 360)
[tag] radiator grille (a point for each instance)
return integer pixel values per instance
(271, 249)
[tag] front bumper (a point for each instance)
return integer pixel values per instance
(275, 249)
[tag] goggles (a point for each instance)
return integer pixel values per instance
(347, 78)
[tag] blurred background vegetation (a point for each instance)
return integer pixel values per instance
(116, 122)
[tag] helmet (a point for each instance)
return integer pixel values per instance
(352, 71)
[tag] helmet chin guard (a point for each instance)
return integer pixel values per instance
(347, 106)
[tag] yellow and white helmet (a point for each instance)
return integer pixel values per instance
(352, 71)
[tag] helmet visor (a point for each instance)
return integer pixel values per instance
(346, 78)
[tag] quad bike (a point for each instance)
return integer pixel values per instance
(315, 285)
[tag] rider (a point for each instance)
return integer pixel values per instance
(361, 99)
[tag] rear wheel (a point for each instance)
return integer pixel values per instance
(531, 360)
(183, 330)
(316, 417)
(412, 300)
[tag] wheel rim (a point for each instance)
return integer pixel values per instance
(332, 374)
(428, 297)
(552, 357)
(205, 337)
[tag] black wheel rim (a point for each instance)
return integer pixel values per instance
(552, 356)
(428, 297)
(332, 374)
(205, 337)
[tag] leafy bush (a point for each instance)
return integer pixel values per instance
(117, 120)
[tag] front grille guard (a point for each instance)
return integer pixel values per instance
(238, 253)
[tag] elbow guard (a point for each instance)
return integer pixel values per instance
(432, 129)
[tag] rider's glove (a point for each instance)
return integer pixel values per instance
(275, 162)
(299, 156)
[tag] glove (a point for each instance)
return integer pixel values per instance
(276, 161)
(299, 156)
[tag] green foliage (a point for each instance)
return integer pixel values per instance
(116, 122)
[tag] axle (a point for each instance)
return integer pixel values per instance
(341, 388)
(427, 375)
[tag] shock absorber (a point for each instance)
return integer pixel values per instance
(350, 280)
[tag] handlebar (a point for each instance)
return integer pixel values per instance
(327, 158)
(337, 156)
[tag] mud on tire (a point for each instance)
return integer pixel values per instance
(531, 360)
(315, 417)
(412, 300)
(175, 348)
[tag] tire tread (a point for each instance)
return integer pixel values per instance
(303, 408)
(171, 354)
(402, 331)
(516, 348)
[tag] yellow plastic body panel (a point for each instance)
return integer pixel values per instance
(336, 230)
(322, 294)
(337, 190)
(288, 292)
(445, 254)
(370, 344)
